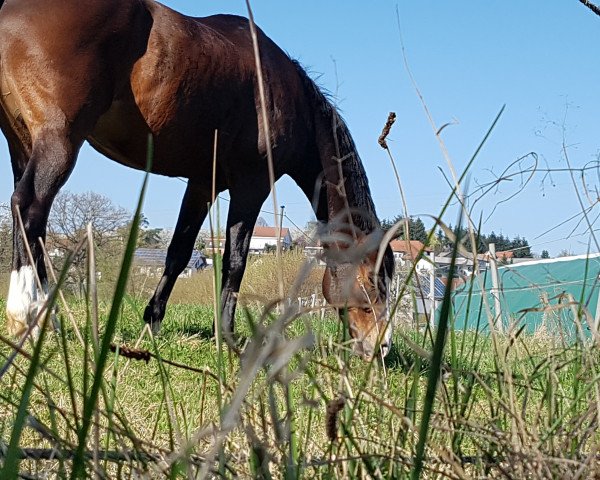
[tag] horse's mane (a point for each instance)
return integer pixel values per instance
(356, 184)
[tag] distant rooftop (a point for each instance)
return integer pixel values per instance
(270, 232)
(158, 256)
(423, 286)
(412, 247)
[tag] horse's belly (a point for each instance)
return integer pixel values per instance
(122, 135)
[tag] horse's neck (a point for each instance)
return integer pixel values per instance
(348, 197)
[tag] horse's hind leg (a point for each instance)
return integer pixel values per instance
(36, 184)
(191, 215)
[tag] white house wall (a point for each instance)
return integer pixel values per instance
(259, 243)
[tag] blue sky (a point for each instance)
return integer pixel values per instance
(468, 58)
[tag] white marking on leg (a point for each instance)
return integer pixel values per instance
(24, 300)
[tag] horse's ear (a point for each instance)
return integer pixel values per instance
(372, 244)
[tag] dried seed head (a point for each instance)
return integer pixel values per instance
(333, 409)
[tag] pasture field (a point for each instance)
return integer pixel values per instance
(291, 401)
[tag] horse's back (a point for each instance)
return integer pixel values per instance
(116, 70)
(198, 76)
(57, 55)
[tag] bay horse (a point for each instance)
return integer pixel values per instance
(111, 72)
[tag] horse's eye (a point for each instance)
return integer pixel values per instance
(368, 310)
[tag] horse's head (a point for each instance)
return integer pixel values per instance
(361, 294)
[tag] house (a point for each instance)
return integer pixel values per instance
(428, 300)
(412, 251)
(464, 263)
(263, 236)
(151, 262)
(215, 245)
(408, 250)
(502, 256)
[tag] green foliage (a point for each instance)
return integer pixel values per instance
(518, 245)
(150, 238)
(416, 228)
(545, 254)
(143, 403)
(200, 243)
(5, 243)
(269, 248)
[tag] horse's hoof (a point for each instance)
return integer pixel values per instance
(155, 327)
(14, 326)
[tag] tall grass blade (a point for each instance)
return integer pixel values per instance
(436, 363)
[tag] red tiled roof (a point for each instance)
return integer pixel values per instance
(400, 246)
(270, 232)
(503, 255)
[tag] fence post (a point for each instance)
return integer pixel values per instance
(495, 289)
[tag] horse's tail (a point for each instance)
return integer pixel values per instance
(333, 140)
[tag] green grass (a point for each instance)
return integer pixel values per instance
(536, 407)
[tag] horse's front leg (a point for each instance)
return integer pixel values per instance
(243, 212)
(48, 167)
(191, 215)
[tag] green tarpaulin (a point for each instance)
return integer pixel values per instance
(534, 294)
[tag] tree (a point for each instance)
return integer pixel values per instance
(150, 238)
(520, 247)
(72, 212)
(545, 254)
(502, 243)
(270, 248)
(5, 237)
(67, 224)
(147, 237)
(446, 244)
(416, 227)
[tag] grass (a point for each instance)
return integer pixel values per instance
(528, 413)
(102, 398)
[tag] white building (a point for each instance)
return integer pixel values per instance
(263, 236)
(412, 251)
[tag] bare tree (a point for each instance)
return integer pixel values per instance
(69, 217)
(72, 212)
(5, 236)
